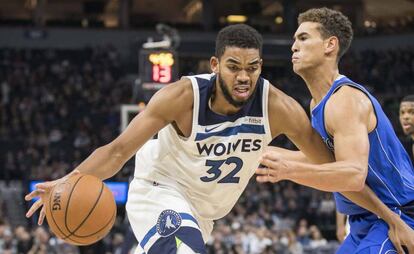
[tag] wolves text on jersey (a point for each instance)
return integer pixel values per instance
(218, 149)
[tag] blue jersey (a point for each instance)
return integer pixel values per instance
(390, 170)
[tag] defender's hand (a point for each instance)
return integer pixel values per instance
(42, 191)
(274, 168)
(401, 235)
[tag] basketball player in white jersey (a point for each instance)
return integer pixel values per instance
(212, 130)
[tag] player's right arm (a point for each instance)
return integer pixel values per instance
(287, 154)
(165, 107)
(308, 136)
(171, 104)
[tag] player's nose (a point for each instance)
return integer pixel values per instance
(405, 116)
(294, 47)
(242, 76)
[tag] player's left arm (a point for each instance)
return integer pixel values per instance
(296, 129)
(349, 118)
(347, 123)
(286, 116)
(288, 154)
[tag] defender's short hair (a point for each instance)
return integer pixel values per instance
(332, 23)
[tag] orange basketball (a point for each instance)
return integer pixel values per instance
(81, 210)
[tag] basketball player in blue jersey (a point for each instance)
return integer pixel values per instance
(212, 129)
(407, 122)
(354, 127)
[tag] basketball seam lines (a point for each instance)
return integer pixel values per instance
(53, 218)
(67, 208)
(112, 218)
(90, 212)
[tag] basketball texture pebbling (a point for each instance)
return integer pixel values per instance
(81, 210)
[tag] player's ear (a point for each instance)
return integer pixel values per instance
(331, 45)
(214, 64)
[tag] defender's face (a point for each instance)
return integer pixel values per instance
(238, 70)
(308, 47)
(407, 117)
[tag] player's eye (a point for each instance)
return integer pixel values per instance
(252, 69)
(233, 68)
(303, 37)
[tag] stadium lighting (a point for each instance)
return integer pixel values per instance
(278, 20)
(236, 18)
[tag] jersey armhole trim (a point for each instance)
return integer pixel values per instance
(196, 107)
(265, 106)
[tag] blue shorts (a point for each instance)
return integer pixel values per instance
(369, 235)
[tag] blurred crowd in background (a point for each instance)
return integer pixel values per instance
(57, 106)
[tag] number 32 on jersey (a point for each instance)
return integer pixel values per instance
(215, 170)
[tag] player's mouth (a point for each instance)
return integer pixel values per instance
(241, 92)
(406, 126)
(295, 57)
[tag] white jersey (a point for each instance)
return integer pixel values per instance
(212, 166)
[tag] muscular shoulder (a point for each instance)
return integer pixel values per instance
(348, 105)
(286, 115)
(348, 99)
(173, 100)
(181, 91)
(349, 93)
(280, 102)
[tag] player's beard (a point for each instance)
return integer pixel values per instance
(410, 132)
(229, 98)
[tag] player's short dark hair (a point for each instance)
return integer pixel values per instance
(408, 98)
(332, 23)
(240, 36)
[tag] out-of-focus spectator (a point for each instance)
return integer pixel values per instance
(295, 247)
(317, 239)
(116, 244)
(407, 122)
(24, 240)
(8, 243)
(303, 234)
(41, 243)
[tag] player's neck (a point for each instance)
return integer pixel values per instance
(319, 81)
(412, 137)
(219, 105)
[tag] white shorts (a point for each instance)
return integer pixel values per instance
(162, 218)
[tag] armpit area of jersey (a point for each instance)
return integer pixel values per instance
(408, 209)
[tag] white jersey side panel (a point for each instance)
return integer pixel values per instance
(212, 167)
